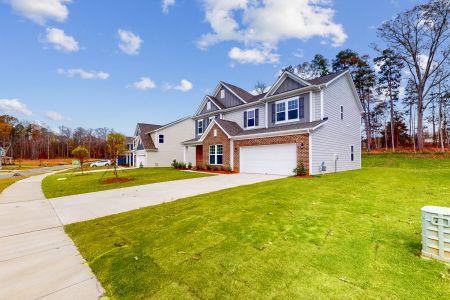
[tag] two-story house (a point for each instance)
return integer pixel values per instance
(315, 122)
(158, 145)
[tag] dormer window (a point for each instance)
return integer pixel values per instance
(222, 94)
(208, 105)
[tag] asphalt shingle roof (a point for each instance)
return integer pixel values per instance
(146, 138)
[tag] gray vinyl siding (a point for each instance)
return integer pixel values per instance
(238, 117)
(316, 106)
(306, 115)
(205, 110)
(336, 136)
(288, 85)
(230, 99)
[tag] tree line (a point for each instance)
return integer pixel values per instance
(27, 140)
(416, 57)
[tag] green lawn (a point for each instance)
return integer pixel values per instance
(90, 182)
(351, 235)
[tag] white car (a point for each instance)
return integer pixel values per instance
(100, 163)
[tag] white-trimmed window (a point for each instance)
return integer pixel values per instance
(161, 138)
(288, 110)
(342, 112)
(200, 127)
(215, 154)
(208, 105)
(352, 153)
(222, 93)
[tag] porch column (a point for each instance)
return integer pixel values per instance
(232, 154)
(185, 151)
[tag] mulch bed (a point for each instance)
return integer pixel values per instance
(117, 180)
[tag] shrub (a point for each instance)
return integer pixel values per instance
(229, 169)
(174, 164)
(181, 165)
(208, 167)
(189, 165)
(215, 168)
(301, 169)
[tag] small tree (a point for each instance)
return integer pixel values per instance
(116, 146)
(80, 153)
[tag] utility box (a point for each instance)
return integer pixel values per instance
(436, 232)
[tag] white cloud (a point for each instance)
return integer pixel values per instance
(129, 42)
(54, 116)
(184, 86)
(40, 11)
(423, 60)
(166, 4)
(11, 106)
(145, 83)
(299, 53)
(253, 56)
(61, 41)
(83, 74)
(263, 24)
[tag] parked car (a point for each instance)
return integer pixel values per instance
(100, 163)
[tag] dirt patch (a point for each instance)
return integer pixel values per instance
(117, 180)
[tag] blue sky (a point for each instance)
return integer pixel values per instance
(115, 63)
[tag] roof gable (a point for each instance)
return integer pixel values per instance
(238, 93)
(275, 89)
(202, 108)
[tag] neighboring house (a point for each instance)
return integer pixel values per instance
(158, 145)
(127, 158)
(315, 122)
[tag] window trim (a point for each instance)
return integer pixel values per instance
(215, 154)
(198, 127)
(286, 110)
(222, 94)
(208, 105)
(160, 137)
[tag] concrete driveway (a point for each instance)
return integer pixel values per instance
(76, 208)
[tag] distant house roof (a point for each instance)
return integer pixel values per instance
(246, 96)
(128, 140)
(145, 137)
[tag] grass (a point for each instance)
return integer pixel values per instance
(5, 182)
(17, 167)
(90, 182)
(352, 235)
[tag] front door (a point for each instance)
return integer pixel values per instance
(199, 155)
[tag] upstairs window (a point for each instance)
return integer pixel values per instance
(222, 94)
(161, 139)
(288, 110)
(342, 112)
(200, 127)
(251, 118)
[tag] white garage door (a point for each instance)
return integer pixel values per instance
(140, 159)
(269, 159)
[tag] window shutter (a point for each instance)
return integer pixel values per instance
(245, 119)
(273, 112)
(257, 117)
(301, 108)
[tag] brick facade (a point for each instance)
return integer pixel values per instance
(302, 141)
(220, 139)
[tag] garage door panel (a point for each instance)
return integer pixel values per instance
(268, 159)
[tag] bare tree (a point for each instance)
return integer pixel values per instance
(421, 35)
(260, 87)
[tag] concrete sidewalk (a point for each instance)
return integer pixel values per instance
(76, 208)
(37, 259)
